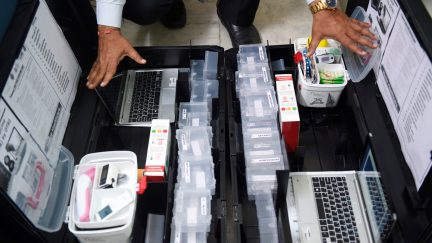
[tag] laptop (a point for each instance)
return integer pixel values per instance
(341, 206)
(136, 97)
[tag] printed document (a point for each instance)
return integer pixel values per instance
(382, 15)
(405, 81)
(43, 82)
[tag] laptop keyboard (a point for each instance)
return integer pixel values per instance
(336, 216)
(145, 99)
(383, 214)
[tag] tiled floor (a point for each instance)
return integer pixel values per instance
(278, 21)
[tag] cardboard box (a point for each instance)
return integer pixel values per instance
(156, 166)
(288, 110)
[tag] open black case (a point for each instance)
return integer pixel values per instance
(330, 139)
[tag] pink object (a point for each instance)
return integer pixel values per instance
(83, 195)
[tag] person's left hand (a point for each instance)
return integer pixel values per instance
(335, 24)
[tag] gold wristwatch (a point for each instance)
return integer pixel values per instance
(319, 5)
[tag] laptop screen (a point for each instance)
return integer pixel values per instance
(109, 95)
(378, 207)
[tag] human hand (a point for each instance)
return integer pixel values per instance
(113, 47)
(335, 24)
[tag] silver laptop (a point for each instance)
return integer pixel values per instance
(136, 97)
(345, 206)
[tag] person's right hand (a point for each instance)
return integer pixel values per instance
(113, 47)
(337, 25)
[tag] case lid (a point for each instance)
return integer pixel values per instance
(358, 67)
(41, 187)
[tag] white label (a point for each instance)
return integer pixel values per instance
(270, 99)
(187, 172)
(183, 141)
(264, 70)
(195, 122)
(192, 216)
(261, 135)
(196, 148)
(184, 114)
(261, 53)
(203, 206)
(262, 152)
(266, 160)
(253, 83)
(200, 179)
(259, 108)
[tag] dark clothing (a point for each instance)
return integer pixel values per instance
(145, 12)
(238, 12)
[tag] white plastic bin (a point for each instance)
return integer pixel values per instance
(118, 227)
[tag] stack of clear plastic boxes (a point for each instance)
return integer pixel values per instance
(266, 217)
(261, 136)
(204, 84)
(196, 182)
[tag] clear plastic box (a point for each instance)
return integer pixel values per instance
(358, 67)
(194, 141)
(263, 125)
(178, 236)
(212, 88)
(269, 237)
(210, 65)
(192, 211)
(260, 180)
(199, 92)
(260, 136)
(265, 205)
(259, 105)
(196, 175)
(252, 54)
(274, 162)
(267, 225)
(197, 70)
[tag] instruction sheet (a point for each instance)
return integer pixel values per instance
(43, 81)
(405, 81)
(382, 14)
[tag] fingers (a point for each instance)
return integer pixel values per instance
(362, 28)
(110, 71)
(92, 83)
(132, 53)
(313, 45)
(360, 39)
(352, 45)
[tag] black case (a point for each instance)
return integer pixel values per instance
(330, 139)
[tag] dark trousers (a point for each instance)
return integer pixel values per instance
(145, 12)
(238, 12)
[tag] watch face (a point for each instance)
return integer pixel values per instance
(331, 3)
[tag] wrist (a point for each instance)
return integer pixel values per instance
(104, 30)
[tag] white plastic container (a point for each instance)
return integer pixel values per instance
(117, 228)
(327, 95)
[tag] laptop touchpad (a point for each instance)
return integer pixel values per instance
(168, 96)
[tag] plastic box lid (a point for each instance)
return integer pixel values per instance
(51, 181)
(358, 67)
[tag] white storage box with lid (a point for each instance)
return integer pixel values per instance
(117, 228)
(55, 187)
(327, 95)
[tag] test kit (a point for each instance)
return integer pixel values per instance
(156, 165)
